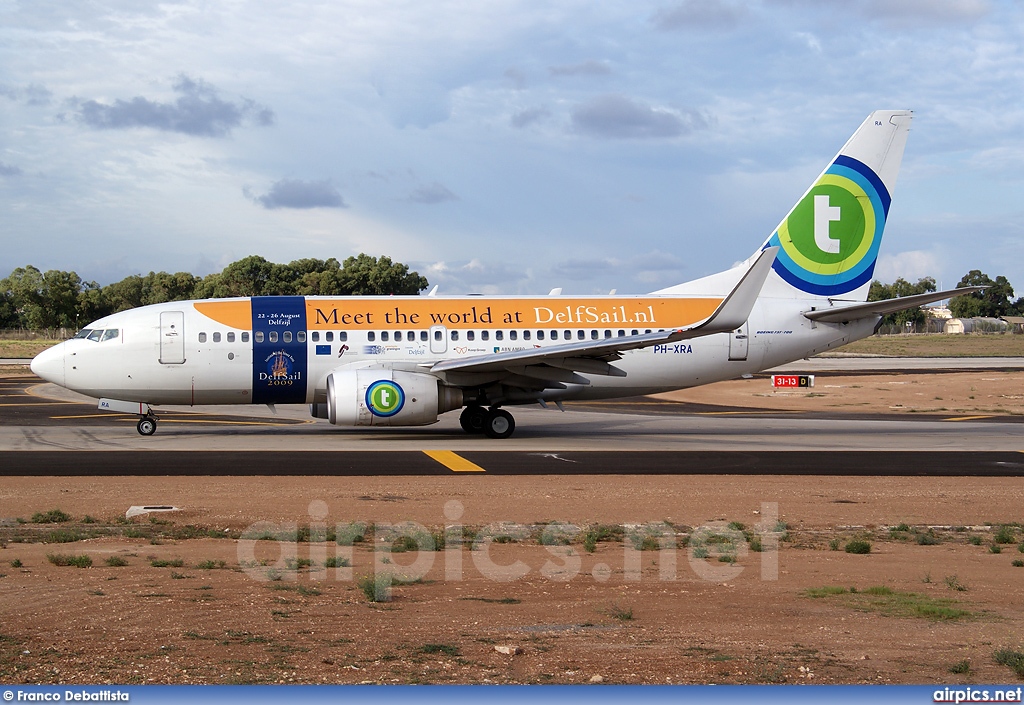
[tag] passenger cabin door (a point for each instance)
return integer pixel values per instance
(438, 339)
(172, 337)
(738, 343)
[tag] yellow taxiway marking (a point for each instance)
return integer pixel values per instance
(453, 461)
(969, 418)
(743, 413)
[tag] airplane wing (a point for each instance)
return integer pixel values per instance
(845, 314)
(549, 366)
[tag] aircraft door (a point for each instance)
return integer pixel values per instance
(438, 339)
(738, 343)
(172, 337)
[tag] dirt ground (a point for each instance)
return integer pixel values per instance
(202, 599)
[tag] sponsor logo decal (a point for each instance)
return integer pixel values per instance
(323, 349)
(280, 370)
(385, 398)
(829, 242)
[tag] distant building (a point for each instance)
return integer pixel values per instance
(1017, 322)
(976, 325)
(937, 312)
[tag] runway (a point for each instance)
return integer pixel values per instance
(45, 430)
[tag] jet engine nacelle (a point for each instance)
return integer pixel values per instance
(387, 398)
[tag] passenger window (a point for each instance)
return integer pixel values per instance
(109, 334)
(216, 337)
(526, 335)
(607, 334)
(245, 337)
(385, 336)
(231, 337)
(455, 335)
(301, 336)
(470, 335)
(329, 336)
(635, 332)
(371, 336)
(499, 335)
(647, 331)
(398, 336)
(622, 334)
(202, 337)
(581, 335)
(513, 334)
(554, 335)
(593, 335)
(410, 336)
(423, 336)
(343, 336)
(437, 335)
(485, 335)
(567, 335)
(286, 336)
(273, 336)
(315, 336)
(540, 335)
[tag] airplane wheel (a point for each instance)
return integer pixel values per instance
(473, 419)
(499, 424)
(147, 426)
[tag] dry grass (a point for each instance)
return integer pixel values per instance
(939, 345)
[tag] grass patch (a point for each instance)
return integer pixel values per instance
(995, 548)
(446, 649)
(335, 562)
(66, 536)
(961, 667)
(116, 562)
(891, 603)
(624, 614)
(1011, 658)
(1006, 534)
(1017, 563)
(54, 516)
(858, 546)
(16, 563)
(68, 559)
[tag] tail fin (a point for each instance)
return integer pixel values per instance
(829, 241)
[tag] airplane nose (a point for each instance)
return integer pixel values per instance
(49, 364)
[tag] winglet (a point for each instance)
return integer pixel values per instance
(734, 311)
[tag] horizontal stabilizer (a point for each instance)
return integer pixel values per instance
(845, 314)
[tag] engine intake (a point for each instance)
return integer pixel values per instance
(387, 398)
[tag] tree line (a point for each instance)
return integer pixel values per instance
(994, 302)
(35, 300)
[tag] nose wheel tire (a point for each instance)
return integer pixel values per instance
(473, 419)
(147, 426)
(499, 424)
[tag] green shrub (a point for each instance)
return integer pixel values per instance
(858, 546)
(335, 562)
(928, 539)
(1017, 563)
(16, 563)
(54, 516)
(962, 667)
(833, 545)
(974, 540)
(446, 649)
(1006, 534)
(902, 527)
(953, 583)
(116, 561)
(67, 559)
(210, 565)
(995, 548)
(376, 588)
(161, 563)
(1011, 658)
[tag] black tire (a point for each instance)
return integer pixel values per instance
(473, 419)
(147, 426)
(499, 424)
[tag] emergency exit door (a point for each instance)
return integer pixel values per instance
(172, 337)
(738, 343)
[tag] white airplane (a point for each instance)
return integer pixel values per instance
(404, 361)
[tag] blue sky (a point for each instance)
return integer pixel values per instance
(498, 147)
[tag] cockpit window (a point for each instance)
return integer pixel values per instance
(109, 334)
(84, 333)
(95, 336)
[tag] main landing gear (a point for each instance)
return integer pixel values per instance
(493, 423)
(147, 425)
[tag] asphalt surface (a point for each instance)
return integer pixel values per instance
(46, 431)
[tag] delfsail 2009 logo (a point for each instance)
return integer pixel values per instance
(280, 370)
(385, 398)
(829, 243)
